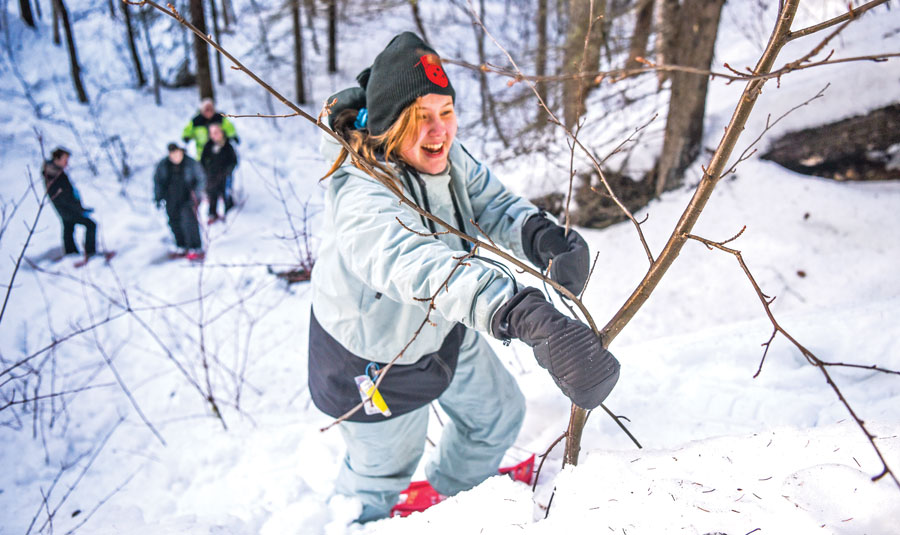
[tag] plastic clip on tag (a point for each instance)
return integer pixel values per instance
(373, 403)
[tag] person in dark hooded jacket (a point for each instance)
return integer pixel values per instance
(178, 182)
(67, 201)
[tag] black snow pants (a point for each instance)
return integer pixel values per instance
(183, 222)
(90, 234)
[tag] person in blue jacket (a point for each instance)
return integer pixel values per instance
(379, 265)
(67, 201)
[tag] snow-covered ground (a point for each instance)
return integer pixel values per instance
(134, 446)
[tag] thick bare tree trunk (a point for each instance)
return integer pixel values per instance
(643, 24)
(212, 13)
(26, 13)
(698, 25)
(540, 57)
(135, 58)
(298, 51)
(201, 52)
(73, 52)
(667, 33)
(332, 36)
(578, 57)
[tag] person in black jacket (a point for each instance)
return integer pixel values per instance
(219, 161)
(178, 182)
(68, 205)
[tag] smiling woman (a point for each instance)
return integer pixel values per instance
(390, 286)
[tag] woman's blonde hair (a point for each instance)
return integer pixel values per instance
(371, 148)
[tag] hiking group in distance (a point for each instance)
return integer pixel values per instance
(180, 183)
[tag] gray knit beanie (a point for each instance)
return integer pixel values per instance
(405, 70)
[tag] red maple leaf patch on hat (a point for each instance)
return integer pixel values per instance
(433, 70)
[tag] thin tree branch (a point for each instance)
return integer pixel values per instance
(852, 14)
(810, 357)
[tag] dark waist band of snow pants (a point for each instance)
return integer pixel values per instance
(405, 388)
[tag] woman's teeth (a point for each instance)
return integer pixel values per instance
(434, 149)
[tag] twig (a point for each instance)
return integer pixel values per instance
(382, 373)
(537, 473)
(112, 368)
(810, 357)
(31, 230)
(769, 125)
(853, 13)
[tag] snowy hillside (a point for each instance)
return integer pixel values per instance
(174, 395)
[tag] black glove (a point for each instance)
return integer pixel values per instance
(353, 98)
(544, 240)
(575, 357)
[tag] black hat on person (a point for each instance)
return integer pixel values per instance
(59, 151)
(174, 146)
(405, 70)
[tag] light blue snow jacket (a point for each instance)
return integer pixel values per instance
(370, 271)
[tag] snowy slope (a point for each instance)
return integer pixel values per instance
(134, 446)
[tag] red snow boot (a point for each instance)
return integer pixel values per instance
(420, 495)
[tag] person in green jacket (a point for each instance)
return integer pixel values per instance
(197, 128)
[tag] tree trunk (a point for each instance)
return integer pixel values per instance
(698, 24)
(73, 52)
(135, 58)
(310, 23)
(414, 5)
(298, 51)
(582, 54)
(154, 65)
(201, 52)
(667, 35)
(227, 13)
(26, 13)
(540, 57)
(643, 24)
(57, 40)
(215, 19)
(332, 36)
(488, 108)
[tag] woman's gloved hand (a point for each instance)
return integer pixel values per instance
(575, 357)
(544, 240)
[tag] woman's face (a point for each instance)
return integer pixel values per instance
(216, 134)
(428, 149)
